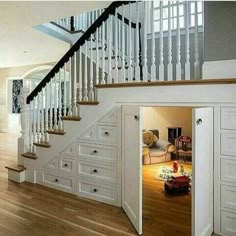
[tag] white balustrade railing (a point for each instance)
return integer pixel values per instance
(159, 43)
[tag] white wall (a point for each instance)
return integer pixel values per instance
(162, 117)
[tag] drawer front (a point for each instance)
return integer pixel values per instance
(228, 196)
(107, 134)
(228, 144)
(228, 223)
(228, 118)
(67, 165)
(102, 193)
(97, 172)
(228, 170)
(56, 181)
(97, 153)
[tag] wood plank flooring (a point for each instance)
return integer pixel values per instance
(34, 210)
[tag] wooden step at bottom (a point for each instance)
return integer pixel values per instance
(44, 145)
(15, 167)
(29, 155)
(56, 132)
(72, 118)
(94, 103)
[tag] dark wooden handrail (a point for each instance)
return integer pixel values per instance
(110, 10)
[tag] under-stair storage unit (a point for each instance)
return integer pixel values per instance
(228, 171)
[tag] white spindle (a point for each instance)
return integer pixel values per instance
(65, 94)
(169, 66)
(187, 49)
(85, 98)
(46, 137)
(137, 67)
(42, 117)
(103, 53)
(153, 66)
(34, 121)
(55, 127)
(91, 92)
(123, 46)
(70, 89)
(109, 76)
(178, 64)
(60, 125)
(51, 108)
(74, 108)
(145, 69)
(130, 69)
(97, 52)
(161, 48)
(38, 118)
(196, 62)
(30, 125)
(80, 77)
(115, 75)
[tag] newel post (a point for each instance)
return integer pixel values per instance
(23, 141)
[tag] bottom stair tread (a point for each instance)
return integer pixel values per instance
(15, 167)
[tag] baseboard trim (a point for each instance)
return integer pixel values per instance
(219, 69)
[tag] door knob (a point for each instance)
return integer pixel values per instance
(199, 121)
(136, 117)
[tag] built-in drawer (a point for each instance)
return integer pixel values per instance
(97, 171)
(98, 153)
(228, 196)
(67, 165)
(98, 192)
(54, 180)
(107, 134)
(228, 170)
(228, 144)
(228, 223)
(228, 117)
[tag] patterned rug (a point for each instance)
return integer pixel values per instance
(164, 173)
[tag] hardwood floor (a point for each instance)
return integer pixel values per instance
(163, 214)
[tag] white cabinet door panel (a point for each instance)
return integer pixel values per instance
(228, 170)
(228, 223)
(228, 144)
(228, 117)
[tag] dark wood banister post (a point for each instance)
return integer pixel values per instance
(72, 24)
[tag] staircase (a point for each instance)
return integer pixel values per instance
(117, 49)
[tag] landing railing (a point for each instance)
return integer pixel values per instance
(129, 42)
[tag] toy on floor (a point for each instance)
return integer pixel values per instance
(177, 184)
(175, 166)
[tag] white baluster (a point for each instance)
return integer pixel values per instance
(65, 94)
(153, 66)
(145, 68)
(74, 106)
(55, 127)
(130, 68)
(30, 125)
(169, 66)
(187, 49)
(80, 77)
(46, 137)
(196, 63)
(51, 108)
(38, 118)
(161, 48)
(178, 64)
(70, 89)
(34, 125)
(85, 98)
(115, 75)
(103, 53)
(60, 125)
(137, 67)
(122, 46)
(91, 92)
(42, 140)
(109, 76)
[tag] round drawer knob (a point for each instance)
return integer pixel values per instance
(95, 190)
(106, 133)
(95, 171)
(95, 151)
(66, 165)
(56, 180)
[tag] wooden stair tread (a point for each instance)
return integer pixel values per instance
(72, 118)
(44, 145)
(29, 155)
(57, 132)
(168, 83)
(15, 167)
(88, 103)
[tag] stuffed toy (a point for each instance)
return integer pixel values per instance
(149, 138)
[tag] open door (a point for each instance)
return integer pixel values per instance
(202, 192)
(132, 165)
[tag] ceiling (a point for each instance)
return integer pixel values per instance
(20, 44)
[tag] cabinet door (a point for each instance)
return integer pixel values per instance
(132, 165)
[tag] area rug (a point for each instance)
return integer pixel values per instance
(164, 173)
